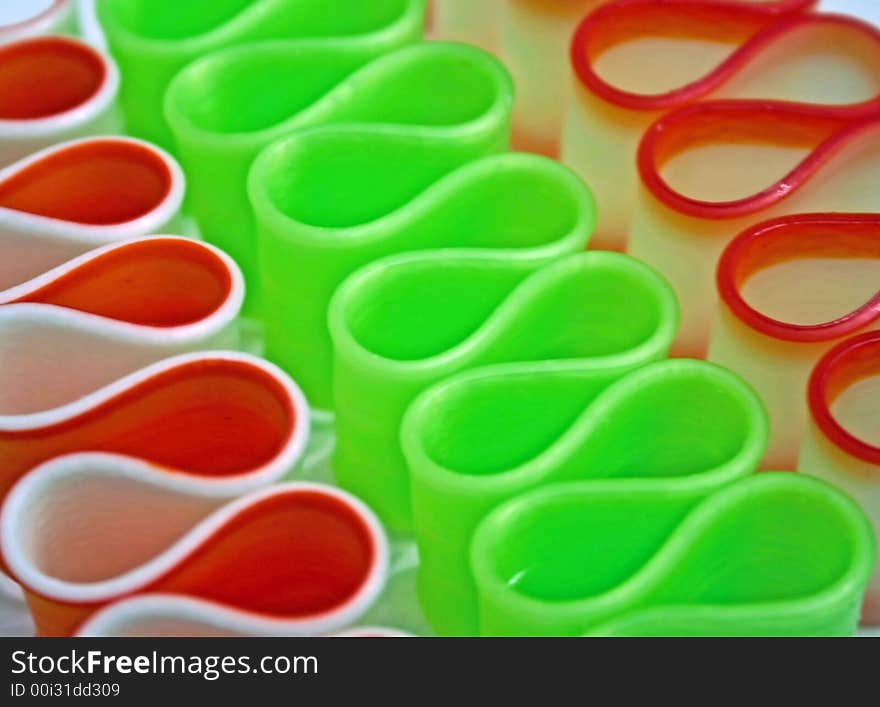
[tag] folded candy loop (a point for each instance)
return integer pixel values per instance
(820, 129)
(849, 362)
(583, 290)
(790, 288)
(109, 312)
(292, 559)
(162, 282)
(707, 428)
(746, 26)
(705, 171)
(70, 198)
(26, 18)
(53, 89)
(221, 420)
(841, 444)
(635, 60)
(227, 107)
(407, 321)
(392, 193)
(152, 40)
(467, 21)
(773, 555)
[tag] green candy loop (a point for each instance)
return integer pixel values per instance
(475, 440)
(408, 321)
(775, 554)
(227, 107)
(152, 40)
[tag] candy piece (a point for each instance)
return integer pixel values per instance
(842, 444)
(292, 559)
(790, 289)
(776, 554)
(468, 21)
(636, 60)
(223, 114)
(53, 89)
